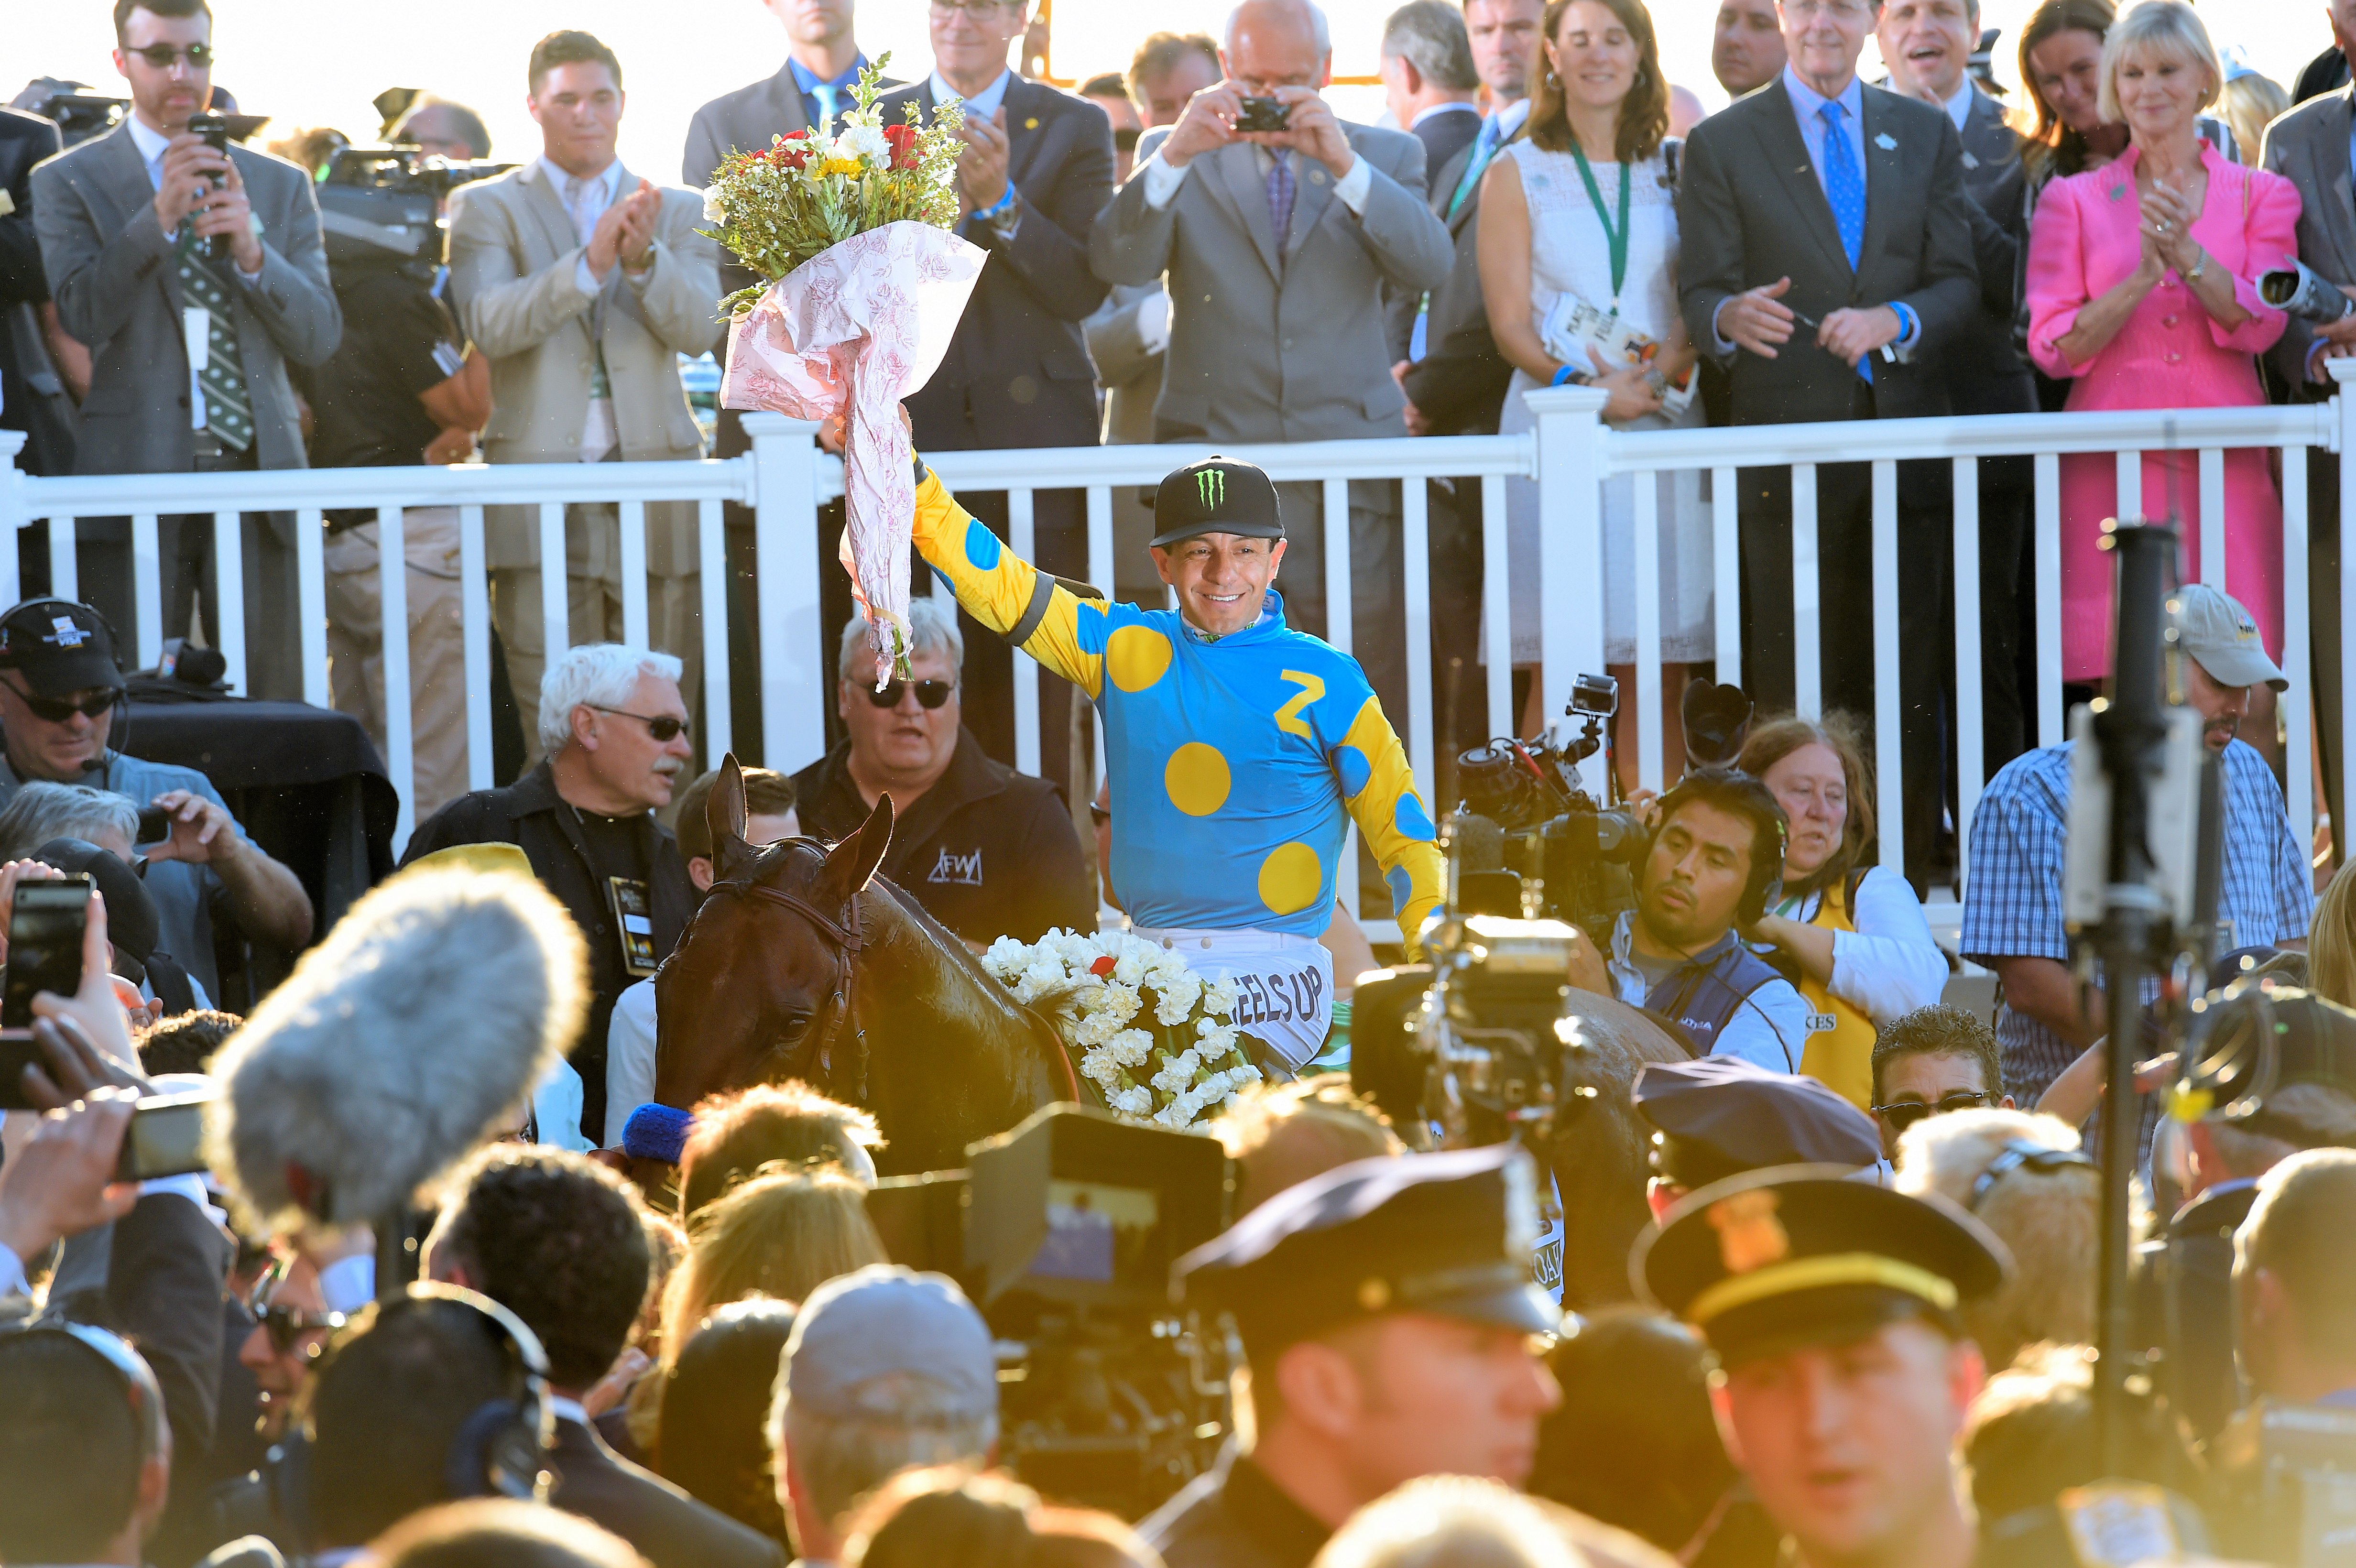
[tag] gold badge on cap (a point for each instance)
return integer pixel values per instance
(1374, 1295)
(1750, 1236)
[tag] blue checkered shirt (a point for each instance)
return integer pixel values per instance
(2012, 906)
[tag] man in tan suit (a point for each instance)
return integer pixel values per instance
(581, 283)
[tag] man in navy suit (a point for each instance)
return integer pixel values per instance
(1037, 170)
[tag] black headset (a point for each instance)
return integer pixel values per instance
(1766, 884)
(501, 1449)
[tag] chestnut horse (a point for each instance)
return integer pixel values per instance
(803, 964)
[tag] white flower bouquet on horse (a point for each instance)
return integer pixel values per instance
(1156, 1035)
(851, 227)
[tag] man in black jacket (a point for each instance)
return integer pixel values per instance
(33, 397)
(614, 729)
(1037, 170)
(1823, 199)
(988, 851)
(559, 1241)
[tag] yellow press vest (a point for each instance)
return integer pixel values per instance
(1839, 1052)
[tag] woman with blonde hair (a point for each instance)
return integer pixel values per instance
(782, 1234)
(2142, 290)
(1854, 929)
(2331, 941)
(2024, 1176)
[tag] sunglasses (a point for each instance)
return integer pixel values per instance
(287, 1325)
(160, 56)
(1906, 1112)
(662, 727)
(58, 710)
(931, 694)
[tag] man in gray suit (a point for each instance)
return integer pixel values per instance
(1928, 46)
(126, 223)
(1130, 329)
(1277, 245)
(582, 285)
(2309, 147)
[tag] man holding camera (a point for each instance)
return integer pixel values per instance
(1386, 1310)
(153, 238)
(1716, 854)
(1279, 227)
(1234, 744)
(60, 688)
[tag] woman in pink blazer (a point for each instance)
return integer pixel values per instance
(2142, 289)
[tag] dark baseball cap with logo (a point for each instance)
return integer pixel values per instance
(59, 648)
(1216, 495)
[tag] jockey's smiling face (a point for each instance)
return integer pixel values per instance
(1221, 579)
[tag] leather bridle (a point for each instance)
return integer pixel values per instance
(848, 938)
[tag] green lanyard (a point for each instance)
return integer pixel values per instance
(1616, 237)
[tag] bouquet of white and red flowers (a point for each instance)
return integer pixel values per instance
(1157, 1037)
(850, 224)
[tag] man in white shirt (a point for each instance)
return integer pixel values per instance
(583, 284)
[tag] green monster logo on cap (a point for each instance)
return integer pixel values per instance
(1211, 487)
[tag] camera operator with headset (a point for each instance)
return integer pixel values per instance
(401, 388)
(61, 687)
(1712, 866)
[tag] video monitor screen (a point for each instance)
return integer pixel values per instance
(1099, 1232)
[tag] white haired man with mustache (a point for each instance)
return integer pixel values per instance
(615, 731)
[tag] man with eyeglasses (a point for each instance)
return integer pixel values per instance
(1930, 1061)
(988, 851)
(60, 686)
(152, 242)
(614, 732)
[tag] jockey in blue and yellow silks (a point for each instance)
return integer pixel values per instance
(1234, 743)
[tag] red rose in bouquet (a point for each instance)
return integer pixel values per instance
(904, 149)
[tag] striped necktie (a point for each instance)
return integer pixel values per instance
(229, 413)
(1484, 147)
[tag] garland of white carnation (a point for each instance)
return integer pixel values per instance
(1169, 1068)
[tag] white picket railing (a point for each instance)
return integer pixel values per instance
(784, 479)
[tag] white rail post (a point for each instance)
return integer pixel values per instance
(311, 604)
(228, 606)
(1808, 605)
(12, 508)
(1971, 727)
(786, 577)
(711, 558)
(2048, 546)
(475, 625)
(1570, 468)
(2343, 374)
(1889, 693)
(2299, 754)
(1497, 608)
(1726, 573)
(146, 589)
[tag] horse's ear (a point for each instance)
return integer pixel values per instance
(723, 818)
(850, 863)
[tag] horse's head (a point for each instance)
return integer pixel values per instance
(760, 984)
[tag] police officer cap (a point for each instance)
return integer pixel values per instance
(1719, 1116)
(1774, 1260)
(1216, 495)
(61, 648)
(1449, 1234)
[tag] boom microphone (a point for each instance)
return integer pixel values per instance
(2296, 290)
(1479, 843)
(414, 1032)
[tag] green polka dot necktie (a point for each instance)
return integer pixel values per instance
(229, 414)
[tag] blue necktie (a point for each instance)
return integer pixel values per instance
(826, 93)
(1280, 197)
(1844, 189)
(1484, 147)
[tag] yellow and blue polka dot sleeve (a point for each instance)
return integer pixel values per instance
(1379, 789)
(1008, 594)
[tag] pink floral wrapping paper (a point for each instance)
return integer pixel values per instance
(858, 327)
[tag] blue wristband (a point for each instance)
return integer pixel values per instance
(1562, 376)
(998, 207)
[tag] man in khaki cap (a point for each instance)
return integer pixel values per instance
(2012, 903)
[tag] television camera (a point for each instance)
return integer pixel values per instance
(381, 207)
(1063, 1232)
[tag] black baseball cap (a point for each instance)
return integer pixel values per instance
(1216, 495)
(60, 647)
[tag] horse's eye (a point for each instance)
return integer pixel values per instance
(793, 1029)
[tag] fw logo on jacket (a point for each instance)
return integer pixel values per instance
(960, 870)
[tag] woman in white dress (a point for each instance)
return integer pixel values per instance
(1583, 210)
